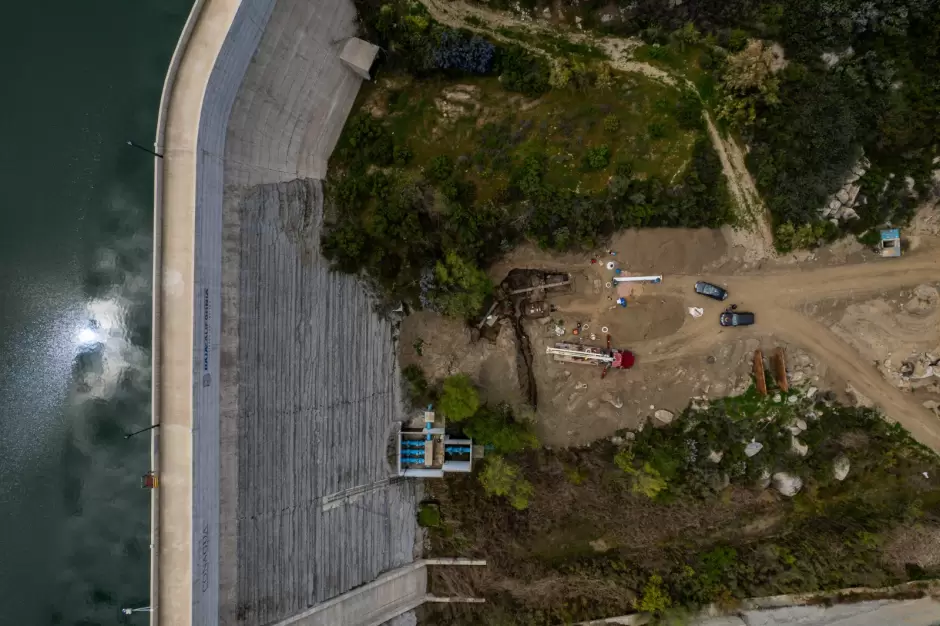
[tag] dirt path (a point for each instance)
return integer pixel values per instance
(754, 233)
(777, 298)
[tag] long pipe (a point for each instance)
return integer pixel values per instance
(638, 279)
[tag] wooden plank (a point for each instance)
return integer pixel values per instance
(759, 379)
(780, 369)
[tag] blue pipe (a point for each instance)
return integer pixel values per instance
(458, 450)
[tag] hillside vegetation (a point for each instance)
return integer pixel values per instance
(463, 148)
(682, 517)
(858, 77)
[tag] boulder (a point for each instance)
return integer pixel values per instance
(787, 484)
(811, 392)
(715, 457)
(777, 397)
(753, 448)
(797, 377)
(840, 467)
(843, 196)
(663, 416)
(798, 447)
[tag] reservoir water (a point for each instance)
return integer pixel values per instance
(79, 80)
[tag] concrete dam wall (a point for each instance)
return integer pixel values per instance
(309, 379)
(275, 383)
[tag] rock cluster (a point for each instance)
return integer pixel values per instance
(918, 371)
(801, 370)
(841, 205)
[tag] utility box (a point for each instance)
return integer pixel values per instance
(890, 242)
(359, 55)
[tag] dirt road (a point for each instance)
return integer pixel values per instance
(777, 298)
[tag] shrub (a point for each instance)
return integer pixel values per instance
(459, 398)
(401, 155)
(656, 130)
(440, 168)
(611, 123)
(503, 479)
(473, 55)
(500, 429)
(521, 71)
(416, 386)
(429, 515)
(597, 158)
(655, 599)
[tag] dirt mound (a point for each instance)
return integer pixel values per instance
(442, 346)
(899, 330)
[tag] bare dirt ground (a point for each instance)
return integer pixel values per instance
(839, 321)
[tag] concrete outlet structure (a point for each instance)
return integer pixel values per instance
(275, 385)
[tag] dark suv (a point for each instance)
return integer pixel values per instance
(732, 318)
(710, 290)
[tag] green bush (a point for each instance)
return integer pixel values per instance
(504, 479)
(655, 599)
(416, 386)
(440, 168)
(597, 158)
(402, 156)
(499, 428)
(429, 515)
(656, 130)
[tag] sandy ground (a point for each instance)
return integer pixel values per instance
(840, 312)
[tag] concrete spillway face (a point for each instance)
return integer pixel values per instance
(309, 382)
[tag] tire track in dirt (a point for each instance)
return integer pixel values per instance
(776, 297)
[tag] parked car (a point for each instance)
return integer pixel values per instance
(710, 290)
(733, 318)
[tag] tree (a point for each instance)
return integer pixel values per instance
(459, 398)
(748, 80)
(502, 478)
(460, 288)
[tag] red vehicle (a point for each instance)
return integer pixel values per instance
(593, 355)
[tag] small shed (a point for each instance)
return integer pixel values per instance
(890, 242)
(359, 55)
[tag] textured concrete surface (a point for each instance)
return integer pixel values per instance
(316, 383)
(275, 383)
(295, 97)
